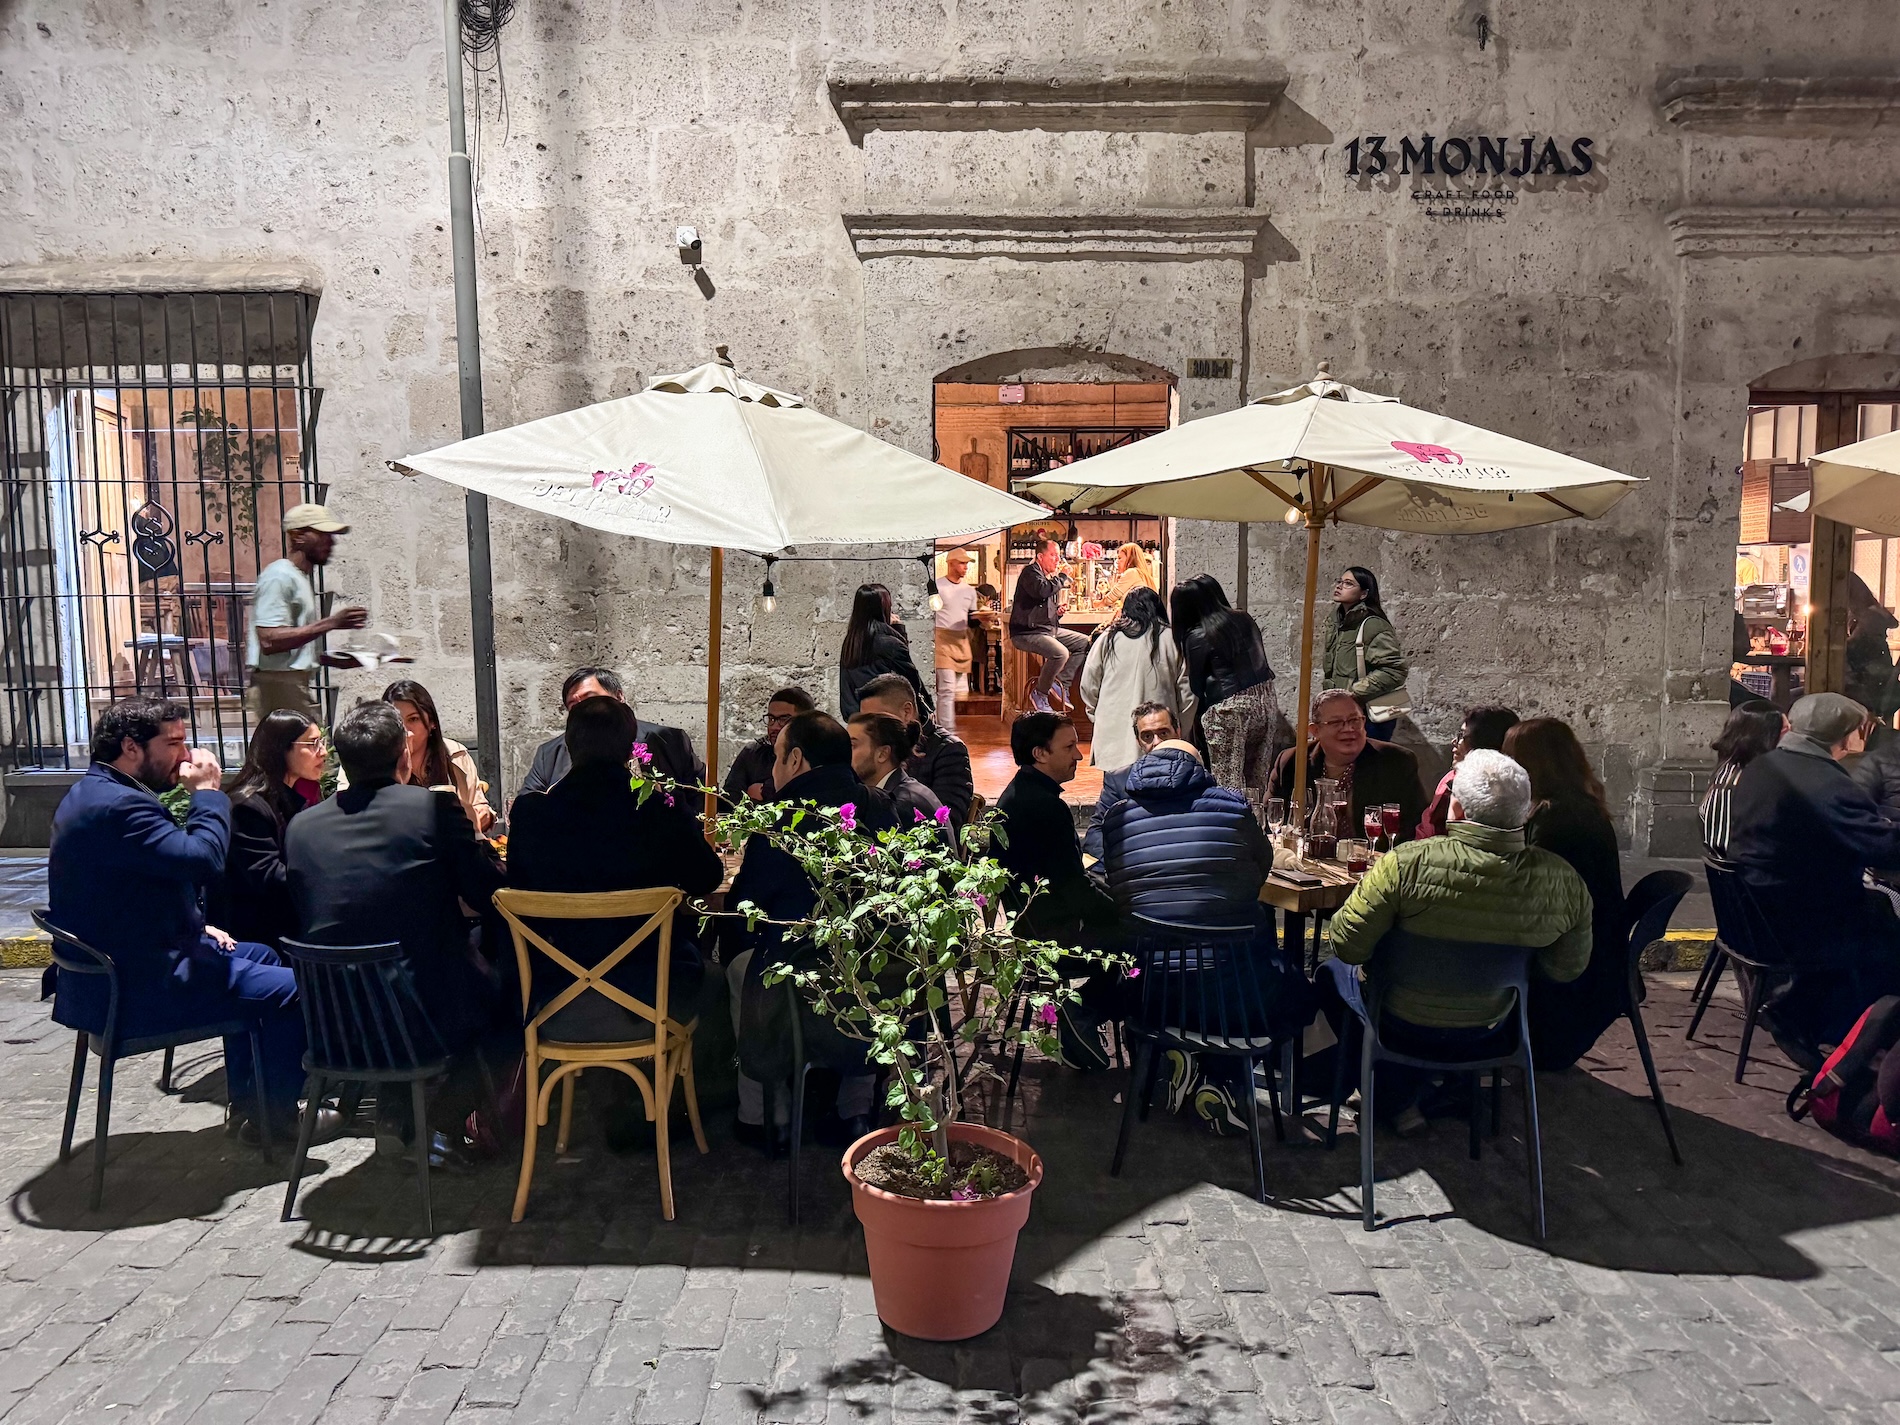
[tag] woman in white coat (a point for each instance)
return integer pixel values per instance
(1133, 662)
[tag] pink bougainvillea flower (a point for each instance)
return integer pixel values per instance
(1134, 972)
(913, 864)
(848, 816)
(1048, 1014)
(964, 1194)
(942, 814)
(916, 817)
(640, 753)
(669, 799)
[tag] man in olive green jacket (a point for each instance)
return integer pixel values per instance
(1478, 882)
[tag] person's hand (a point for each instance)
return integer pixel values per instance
(200, 772)
(221, 939)
(756, 791)
(351, 616)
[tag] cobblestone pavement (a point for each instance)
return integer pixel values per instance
(1760, 1282)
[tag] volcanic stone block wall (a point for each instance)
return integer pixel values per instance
(855, 249)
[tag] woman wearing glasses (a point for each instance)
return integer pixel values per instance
(280, 777)
(1363, 654)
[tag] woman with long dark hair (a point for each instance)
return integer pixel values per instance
(1135, 661)
(435, 760)
(881, 745)
(1571, 818)
(875, 643)
(1363, 654)
(1240, 723)
(286, 750)
(1752, 728)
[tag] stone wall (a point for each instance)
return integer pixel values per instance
(1620, 317)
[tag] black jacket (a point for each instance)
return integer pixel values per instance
(887, 651)
(1567, 1018)
(1038, 601)
(1803, 833)
(1181, 848)
(911, 799)
(1213, 675)
(1383, 773)
(942, 763)
(773, 881)
(1040, 835)
(1114, 788)
(1878, 775)
(752, 766)
(672, 752)
(380, 861)
(589, 833)
(254, 900)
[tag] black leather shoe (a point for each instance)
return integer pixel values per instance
(836, 1132)
(775, 1142)
(329, 1128)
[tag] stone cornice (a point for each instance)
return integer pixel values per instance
(162, 275)
(1730, 104)
(868, 99)
(1763, 232)
(1151, 235)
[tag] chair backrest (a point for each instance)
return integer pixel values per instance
(74, 955)
(1652, 901)
(1745, 932)
(360, 1008)
(653, 907)
(1408, 961)
(1215, 979)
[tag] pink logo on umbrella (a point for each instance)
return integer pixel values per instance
(1428, 453)
(636, 481)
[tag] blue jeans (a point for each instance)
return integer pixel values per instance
(1061, 650)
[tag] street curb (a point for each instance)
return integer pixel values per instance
(1678, 950)
(25, 952)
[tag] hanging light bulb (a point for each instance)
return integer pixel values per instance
(768, 596)
(1292, 514)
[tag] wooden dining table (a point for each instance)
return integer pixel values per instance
(1301, 904)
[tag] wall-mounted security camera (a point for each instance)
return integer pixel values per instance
(687, 240)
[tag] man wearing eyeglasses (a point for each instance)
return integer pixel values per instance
(751, 773)
(1370, 774)
(1154, 725)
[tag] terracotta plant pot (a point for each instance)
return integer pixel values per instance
(940, 1270)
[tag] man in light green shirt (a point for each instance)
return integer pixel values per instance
(282, 644)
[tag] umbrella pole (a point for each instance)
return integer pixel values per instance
(716, 617)
(1315, 523)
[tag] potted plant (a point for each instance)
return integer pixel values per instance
(901, 925)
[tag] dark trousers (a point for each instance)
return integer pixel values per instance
(1342, 1001)
(250, 982)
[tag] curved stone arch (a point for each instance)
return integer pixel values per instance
(1860, 371)
(1054, 364)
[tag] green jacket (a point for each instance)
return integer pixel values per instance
(1385, 662)
(1476, 883)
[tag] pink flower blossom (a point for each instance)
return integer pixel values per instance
(640, 753)
(1048, 1014)
(943, 816)
(916, 817)
(982, 901)
(964, 1194)
(848, 816)
(1134, 972)
(669, 799)
(913, 864)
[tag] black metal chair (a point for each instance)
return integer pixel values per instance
(1407, 961)
(1650, 904)
(1745, 938)
(1201, 991)
(75, 957)
(362, 1022)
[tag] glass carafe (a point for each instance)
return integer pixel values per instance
(1322, 831)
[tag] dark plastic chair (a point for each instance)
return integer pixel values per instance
(1404, 960)
(1651, 902)
(75, 957)
(362, 1022)
(1201, 992)
(1745, 938)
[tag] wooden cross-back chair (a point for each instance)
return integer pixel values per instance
(662, 1043)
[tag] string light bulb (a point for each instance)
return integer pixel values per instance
(1292, 514)
(768, 596)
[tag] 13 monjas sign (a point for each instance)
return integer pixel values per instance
(1371, 155)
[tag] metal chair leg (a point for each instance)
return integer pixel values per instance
(1497, 1102)
(1340, 1051)
(798, 1134)
(1137, 1094)
(425, 1141)
(101, 1127)
(1655, 1084)
(1365, 1128)
(1757, 993)
(312, 1098)
(1016, 1069)
(1705, 987)
(73, 1088)
(1533, 1145)
(1273, 1094)
(258, 1098)
(1253, 1131)
(165, 1072)
(1477, 1115)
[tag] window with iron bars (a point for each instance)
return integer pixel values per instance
(150, 444)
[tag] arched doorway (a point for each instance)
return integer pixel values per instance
(1020, 413)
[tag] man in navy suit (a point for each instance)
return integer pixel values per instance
(128, 880)
(672, 749)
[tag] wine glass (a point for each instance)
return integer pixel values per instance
(1276, 816)
(1392, 817)
(1375, 824)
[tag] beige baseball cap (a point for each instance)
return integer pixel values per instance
(315, 517)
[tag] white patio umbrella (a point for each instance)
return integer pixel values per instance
(1859, 484)
(1326, 450)
(708, 458)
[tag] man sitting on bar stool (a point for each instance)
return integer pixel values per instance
(1035, 626)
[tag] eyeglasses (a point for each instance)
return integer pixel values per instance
(1338, 724)
(775, 721)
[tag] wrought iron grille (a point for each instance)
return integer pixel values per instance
(149, 445)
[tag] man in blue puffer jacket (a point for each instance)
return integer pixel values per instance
(1184, 850)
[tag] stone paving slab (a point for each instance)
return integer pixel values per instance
(1760, 1282)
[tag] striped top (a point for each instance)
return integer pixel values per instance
(1717, 815)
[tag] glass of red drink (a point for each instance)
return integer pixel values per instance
(1391, 816)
